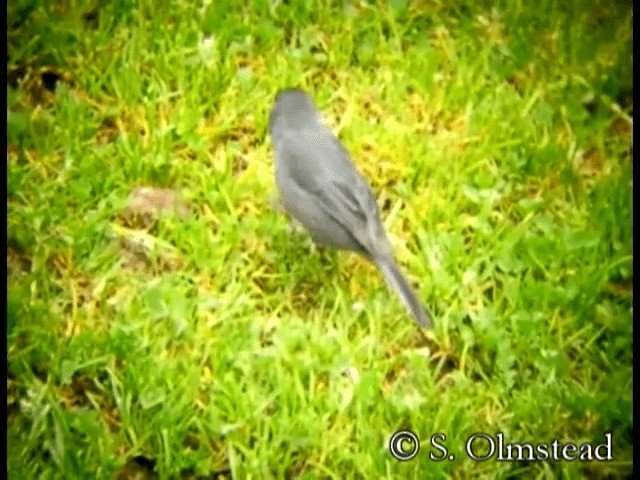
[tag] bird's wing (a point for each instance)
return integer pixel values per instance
(317, 163)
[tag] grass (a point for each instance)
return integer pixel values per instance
(213, 341)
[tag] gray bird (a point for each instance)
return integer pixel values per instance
(321, 188)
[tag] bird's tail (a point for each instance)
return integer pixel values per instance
(396, 281)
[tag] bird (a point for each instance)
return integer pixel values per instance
(320, 187)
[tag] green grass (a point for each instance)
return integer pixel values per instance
(497, 139)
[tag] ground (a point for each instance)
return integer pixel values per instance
(164, 319)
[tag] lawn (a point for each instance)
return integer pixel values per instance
(164, 318)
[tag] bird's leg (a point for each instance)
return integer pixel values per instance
(276, 203)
